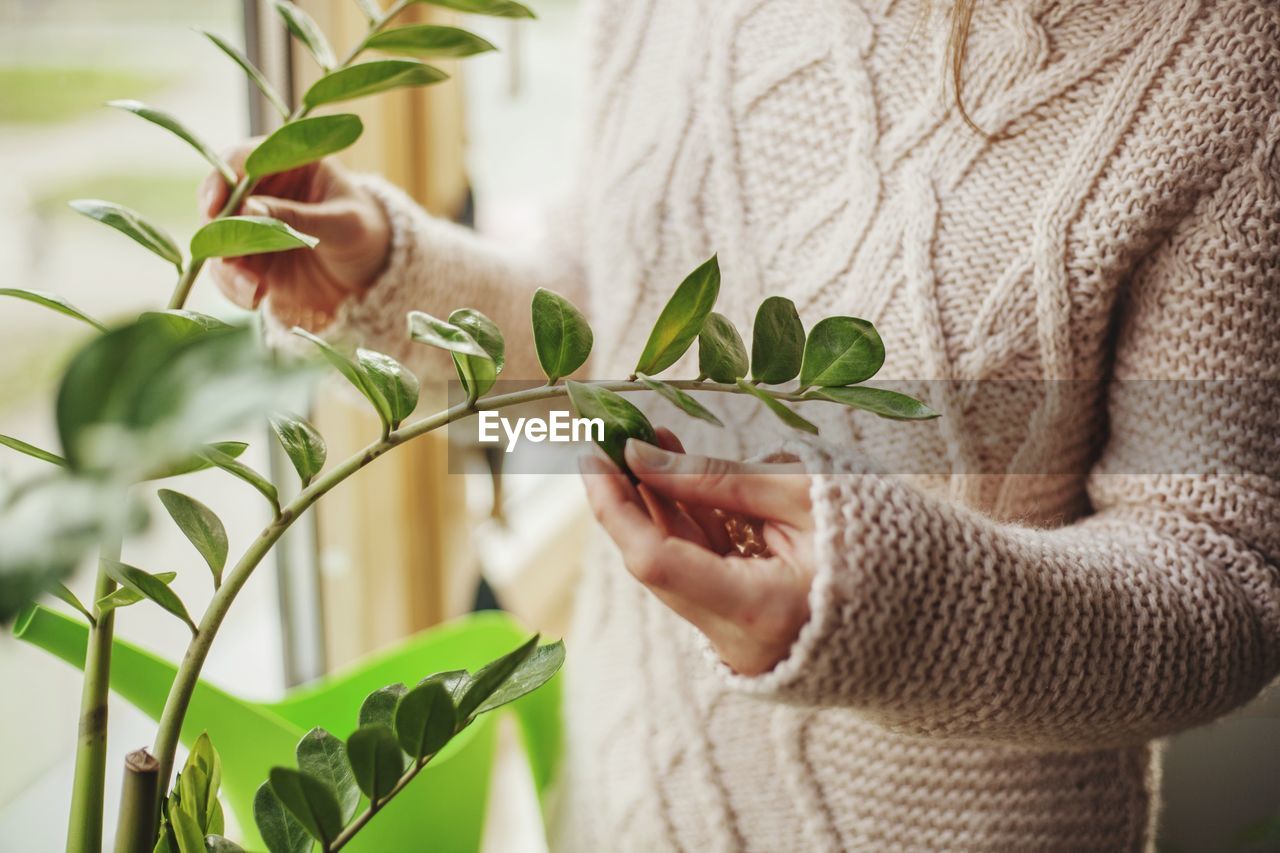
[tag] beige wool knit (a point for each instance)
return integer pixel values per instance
(1042, 581)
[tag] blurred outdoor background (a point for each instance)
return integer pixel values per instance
(404, 545)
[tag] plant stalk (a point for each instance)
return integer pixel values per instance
(139, 804)
(349, 832)
(84, 828)
(184, 683)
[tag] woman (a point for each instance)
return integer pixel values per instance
(974, 650)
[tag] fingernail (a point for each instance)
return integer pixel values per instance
(588, 464)
(253, 207)
(648, 456)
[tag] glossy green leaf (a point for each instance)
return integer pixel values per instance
(379, 707)
(204, 758)
(310, 801)
(455, 681)
(489, 678)
(201, 526)
(178, 129)
(354, 373)
(257, 77)
(305, 30)
(148, 586)
(841, 351)
(435, 332)
(430, 40)
(190, 465)
(125, 597)
(301, 142)
(55, 302)
(279, 829)
(31, 450)
(496, 8)
(478, 373)
(682, 401)
(186, 831)
(370, 78)
(221, 844)
(185, 322)
(621, 419)
(66, 596)
(131, 224)
(237, 236)
(681, 319)
(879, 401)
(238, 469)
(561, 334)
(425, 720)
(722, 356)
(777, 342)
(784, 412)
(302, 443)
(323, 756)
(396, 385)
(376, 760)
(533, 672)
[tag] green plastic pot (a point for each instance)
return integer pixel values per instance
(442, 810)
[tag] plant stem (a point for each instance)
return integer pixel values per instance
(84, 829)
(372, 809)
(184, 683)
(139, 804)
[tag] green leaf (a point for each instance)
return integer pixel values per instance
(323, 756)
(301, 142)
(204, 758)
(237, 236)
(621, 419)
(125, 597)
(485, 683)
(259, 79)
(370, 78)
(310, 801)
(280, 830)
(425, 720)
(682, 401)
(681, 319)
(841, 351)
(238, 469)
(302, 443)
(430, 40)
(187, 323)
(354, 373)
(561, 335)
(397, 386)
(455, 681)
(178, 129)
(533, 672)
(435, 332)
(372, 11)
(722, 357)
(777, 342)
(131, 224)
(66, 596)
(379, 707)
(32, 450)
(478, 373)
(879, 401)
(234, 449)
(376, 760)
(201, 526)
(221, 844)
(148, 586)
(305, 30)
(496, 8)
(783, 411)
(56, 303)
(185, 830)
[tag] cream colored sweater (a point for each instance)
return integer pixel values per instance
(1051, 575)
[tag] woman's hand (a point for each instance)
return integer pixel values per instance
(306, 286)
(726, 545)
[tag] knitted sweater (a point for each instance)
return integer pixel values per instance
(1045, 579)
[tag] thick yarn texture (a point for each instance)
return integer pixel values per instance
(1046, 579)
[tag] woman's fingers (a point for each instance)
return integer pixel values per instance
(237, 283)
(768, 491)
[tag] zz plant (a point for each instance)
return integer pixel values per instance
(151, 399)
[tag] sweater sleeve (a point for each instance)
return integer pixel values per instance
(438, 266)
(1157, 611)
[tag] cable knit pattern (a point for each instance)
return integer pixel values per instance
(1013, 600)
